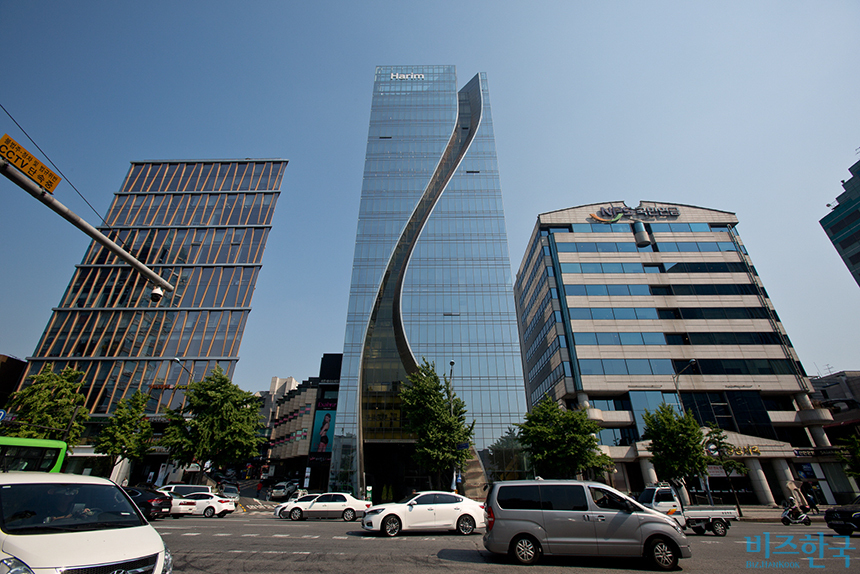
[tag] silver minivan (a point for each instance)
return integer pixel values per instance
(527, 518)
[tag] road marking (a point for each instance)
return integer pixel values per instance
(310, 536)
(255, 534)
(340, 537)
(191, 534)
(223, 534)
(280, 535)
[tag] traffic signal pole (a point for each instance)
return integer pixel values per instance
(40, 193)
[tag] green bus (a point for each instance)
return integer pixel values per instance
(31, 454)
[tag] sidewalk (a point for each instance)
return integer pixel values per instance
(773, 514)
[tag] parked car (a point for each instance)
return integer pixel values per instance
(663, 498)
(186, 489)
(230, 491)
(210, 505)
(329, 505)
(54, 522)
(180, 506)
(529, 518)
(425, 511)
(298, 505)
(284, 489)
(152, 503)
(844, 519)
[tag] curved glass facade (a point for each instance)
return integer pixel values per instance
(431, 276)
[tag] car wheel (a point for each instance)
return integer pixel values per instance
(283, 513)
(662, 554)
(391, 525)
(465, 525)
(699, 530)
(525, 550)
(209, 512)
(296, 514)
(719, 528)
(348, 515)
(843, 531)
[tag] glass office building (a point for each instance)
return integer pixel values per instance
(203, 227)
(431, 279)
(620, 308)
(842, 224)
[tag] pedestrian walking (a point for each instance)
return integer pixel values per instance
(259, 488)
(812, 505)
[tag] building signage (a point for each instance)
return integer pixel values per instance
(820, 451)
(29, 165)
(613, 214)
(396, 76)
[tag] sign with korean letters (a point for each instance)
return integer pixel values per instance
(12, 151)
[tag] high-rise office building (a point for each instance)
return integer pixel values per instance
(201, 225)
(842, 224)
(621, 308)
(431, 278)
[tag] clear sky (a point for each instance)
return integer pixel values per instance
(743, 106)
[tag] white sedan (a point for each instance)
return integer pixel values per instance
(328, 505)
(210, 505)
(426, 511)
(299, 504)
(180, 506)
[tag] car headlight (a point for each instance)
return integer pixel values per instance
(14, 566)
(374, 511)
(168, 562)
(678, 529)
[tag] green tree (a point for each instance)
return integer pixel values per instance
(850, 457)
(676, 444)
(437, 417)
(719, 448)
(128, 433)
(47, 407)
(562, 443)
(219, 423)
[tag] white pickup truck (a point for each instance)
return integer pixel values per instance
(699, 519)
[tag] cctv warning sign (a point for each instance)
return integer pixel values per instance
(12, 151)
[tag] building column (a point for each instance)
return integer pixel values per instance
(819, 436)
(783, 473)
(759, 482)
(648, 472)
(582, 400)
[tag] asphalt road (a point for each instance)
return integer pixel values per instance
(262, 544)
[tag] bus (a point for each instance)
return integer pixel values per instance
(31, 454)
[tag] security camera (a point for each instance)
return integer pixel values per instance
(156, 295)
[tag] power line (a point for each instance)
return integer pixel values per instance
(55, 166)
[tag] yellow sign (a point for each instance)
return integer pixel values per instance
(30, 166)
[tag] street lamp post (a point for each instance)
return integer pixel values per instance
(184, 368)
(451, 403)
(675, 378)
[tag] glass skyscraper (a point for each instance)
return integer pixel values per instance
(842, 224)
(203, 227)
(431, 279)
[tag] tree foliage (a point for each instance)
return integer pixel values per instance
(676, 444)
(718, 447)
(219, 423)
(128, 433)
(851, 459)
(46, 407)
(562, 443)
(507, 459)
(437, 417)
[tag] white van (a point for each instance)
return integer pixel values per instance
(53, 522)
(528, 518)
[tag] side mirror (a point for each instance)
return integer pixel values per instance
(629, 507)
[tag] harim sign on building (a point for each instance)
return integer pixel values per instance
(396, 76)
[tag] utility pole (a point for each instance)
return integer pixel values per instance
(21, 180)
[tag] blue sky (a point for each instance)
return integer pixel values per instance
(749, 107)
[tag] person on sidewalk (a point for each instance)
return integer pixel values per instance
(812, 505)
(259, 488)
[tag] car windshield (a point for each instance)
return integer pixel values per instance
(408, 498)
(54, 507)
(308, 498)
(231, 489)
